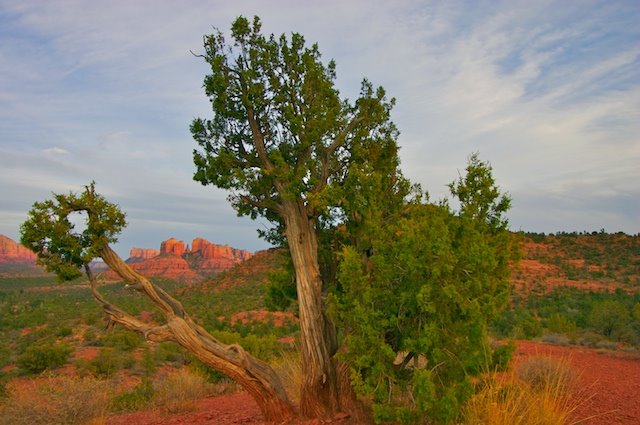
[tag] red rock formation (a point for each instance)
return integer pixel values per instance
(172, 247)
(166, 266)
(208, 257)
(175, 261)
(13, 252)
(143, 253)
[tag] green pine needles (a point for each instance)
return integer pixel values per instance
(414, 306)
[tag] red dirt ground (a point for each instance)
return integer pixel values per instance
(609, 381)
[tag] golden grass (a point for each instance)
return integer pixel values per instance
(289, 369)
(182, 388)
(539, 392)
(55, 400)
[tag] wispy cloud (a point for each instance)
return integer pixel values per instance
(55, 151)
(549, 92)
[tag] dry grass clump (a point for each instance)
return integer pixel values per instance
(55, 400)
(542, 373)
(182, 388)
(539, 392)
(289, 369)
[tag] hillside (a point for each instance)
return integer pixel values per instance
(587, 261)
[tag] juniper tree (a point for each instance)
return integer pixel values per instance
(283, 141)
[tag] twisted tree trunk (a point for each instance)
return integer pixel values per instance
(254, 375)
(319, 392)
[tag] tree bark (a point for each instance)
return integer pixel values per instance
(319, 393)
(254, 375)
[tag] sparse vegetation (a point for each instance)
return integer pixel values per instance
(38, 358)
(562, 316)
(55, 400)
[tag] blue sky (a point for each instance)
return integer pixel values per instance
(548, 92)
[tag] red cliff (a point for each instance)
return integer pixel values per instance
(172, 247)
(208, 257)
(13, 252)
(142, 253)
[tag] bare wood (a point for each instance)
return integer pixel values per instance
(319, 391)
(254, 375)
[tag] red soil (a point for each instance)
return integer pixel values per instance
(609, 382)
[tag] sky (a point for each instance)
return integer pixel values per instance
(547, 91)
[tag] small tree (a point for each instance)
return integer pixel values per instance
(285, 143)
(415, 305)
(49, 231)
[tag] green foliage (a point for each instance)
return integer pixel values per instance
(281, 290)
(518, 323)
(106, 363)
(560, 324)
(50, 231)
(135, 399)
(611, 319)
(425, 289)
(280, 132)
(265, 347)
(479, 196)
(38, 358)
(122, 339)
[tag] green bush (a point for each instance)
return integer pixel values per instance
(135, 399)
(170, 352)
(106, 363)
(122, 340)
(38, 358)
(62, 332)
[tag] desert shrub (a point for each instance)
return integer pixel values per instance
(560, 324)
(263, 347)
(519, 324)
(610, 318)
(540, 372)
(556, 339)
(106, 363)
(62, 332)
(170, 352)
(38, 358)
(90, 338)
(55, 400)
(135, 399)
(180, 390)
(589, 339)
(122, 340)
